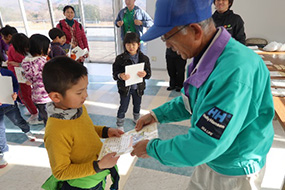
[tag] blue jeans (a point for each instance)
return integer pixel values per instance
(13, 113)
(124, 103)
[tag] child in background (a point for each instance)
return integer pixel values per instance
(3, 49)
(13, 113)
(14, 60)
(71, 139)
(132, 55)
(57, 40)
(33, 65)
(66, 47)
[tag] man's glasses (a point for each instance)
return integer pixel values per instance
(163, 38)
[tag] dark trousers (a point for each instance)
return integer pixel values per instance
(124, 103)
(66, 186)
(176, 71)
(13, 113)
(42, 112)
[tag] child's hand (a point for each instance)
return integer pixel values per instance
(124, 76)
(114, 132)
(86, 55)
(108, 161)
(13, 63)
(28, 83)
(14, 96)
(141, 74)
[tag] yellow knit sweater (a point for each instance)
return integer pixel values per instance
(72, 146)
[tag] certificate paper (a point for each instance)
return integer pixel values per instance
(20, 74)
(7, 90)
(133, 70)
(124, 144)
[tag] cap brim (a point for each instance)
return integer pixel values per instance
(155, 32)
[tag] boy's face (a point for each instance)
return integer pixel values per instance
(63, 39)
(75, 96)
(132, 48)
(59, 40)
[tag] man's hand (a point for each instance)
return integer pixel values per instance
(141, 74)
(124, 76)
(138, 22)
(140, 149)
(108, 161)
(144, 120)
(114, 132)
(120, 23)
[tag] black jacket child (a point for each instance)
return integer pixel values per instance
(123, 60)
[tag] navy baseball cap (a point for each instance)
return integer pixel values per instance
(171, 13)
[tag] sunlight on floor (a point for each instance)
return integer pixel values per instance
(27, 155)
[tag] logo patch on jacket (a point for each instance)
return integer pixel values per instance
(214, 122)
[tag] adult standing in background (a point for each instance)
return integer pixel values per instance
(232, 22)
(176, 69)
(132, 19)
(230, 108)
(74, 32)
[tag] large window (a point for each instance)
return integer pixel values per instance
(98, 20)
(100, 29)
(11, 14)
(38, 17)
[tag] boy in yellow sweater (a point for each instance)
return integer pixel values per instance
(71, 139)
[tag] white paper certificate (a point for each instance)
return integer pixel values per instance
(20, 74)
(124, 144)
(7, 90)
(133, 70)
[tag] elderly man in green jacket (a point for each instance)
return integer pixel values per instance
(226, 95)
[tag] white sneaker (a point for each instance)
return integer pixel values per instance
(121, 128)
(135, 121)
(30, 136)
(3, 162)
(33, 120)
(33, 117)
(36, 122)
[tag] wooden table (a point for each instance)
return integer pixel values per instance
(278, 59)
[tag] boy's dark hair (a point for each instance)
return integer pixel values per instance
(61, 73)
(55, 32)
(131, 37)
(21, 43)
(8, 30)
(67, 7)
(230, 3)
(38, 44)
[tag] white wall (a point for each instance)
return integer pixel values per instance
(263, 18)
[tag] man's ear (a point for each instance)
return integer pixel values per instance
(55, 97)
(198, 31)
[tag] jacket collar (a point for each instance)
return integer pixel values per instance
(199, 74)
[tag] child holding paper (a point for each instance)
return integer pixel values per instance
(71, 139)
(132, 55)
(13, 113)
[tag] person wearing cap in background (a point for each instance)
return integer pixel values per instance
(232, 22)
(226, 95)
